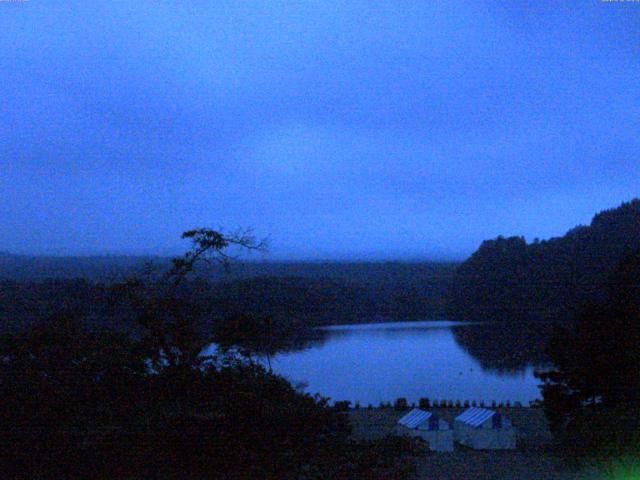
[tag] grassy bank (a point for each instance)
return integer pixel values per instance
(533, 459)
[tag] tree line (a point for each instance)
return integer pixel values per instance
(79, 400)
(512, 280)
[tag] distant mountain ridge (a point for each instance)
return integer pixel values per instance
(106, 267)
(505, 279)
(508, 279)
(42, 267)
(310, 293)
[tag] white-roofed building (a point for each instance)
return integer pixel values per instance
(433, 430)
(484, 429)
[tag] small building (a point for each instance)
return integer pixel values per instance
(484, 429)
(426, 425)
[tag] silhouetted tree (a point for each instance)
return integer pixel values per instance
(252, 335)
(592, 397)
(508, 279)
(164, 310)
(81, 402)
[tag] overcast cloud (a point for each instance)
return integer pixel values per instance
(338, 129)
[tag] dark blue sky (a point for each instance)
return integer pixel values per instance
(407, 129)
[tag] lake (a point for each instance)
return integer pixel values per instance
(371, 363)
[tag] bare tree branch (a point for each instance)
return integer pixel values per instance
(209, 245)
(156, 301)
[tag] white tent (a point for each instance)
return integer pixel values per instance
(434, 431)
(483, 429)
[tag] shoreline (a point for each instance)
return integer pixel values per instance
(533, 459)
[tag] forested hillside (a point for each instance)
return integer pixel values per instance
(308, 294)
(100, 268)
(505, 279)
(508, 279)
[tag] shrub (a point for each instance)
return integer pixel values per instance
(105, 416)
(424, 403)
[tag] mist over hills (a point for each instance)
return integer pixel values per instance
(505, 279)
(41, 267)
(109, 267)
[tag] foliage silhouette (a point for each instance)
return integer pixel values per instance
(508, 279)
(79, 401)
(592, 397)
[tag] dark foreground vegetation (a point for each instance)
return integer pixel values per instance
(85, 404)
(299, 293)
(82, 401)
(592, 395)
(107, 379)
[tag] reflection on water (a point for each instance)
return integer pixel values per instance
(398, 325)
(504, 348)
(440, 360)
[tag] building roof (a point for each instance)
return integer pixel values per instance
(475, 416)
(414, 418)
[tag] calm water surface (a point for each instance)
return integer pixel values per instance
(381, 362)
